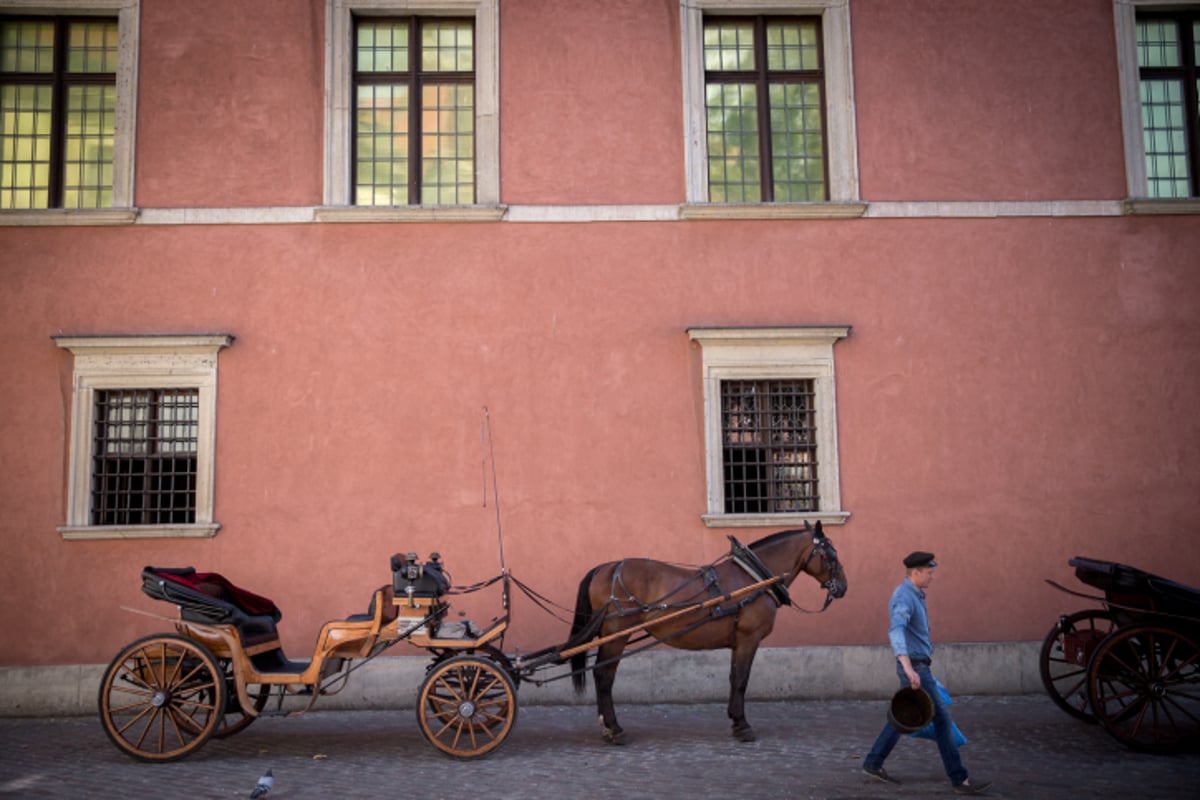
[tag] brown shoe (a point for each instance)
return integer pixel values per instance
(966, 787)
(880, 774)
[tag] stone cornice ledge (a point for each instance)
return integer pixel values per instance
(88, 533)
(772, 210)
(57, 217)
(409, 213)
(774, 520)
(1156, 207)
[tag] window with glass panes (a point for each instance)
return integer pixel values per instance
(57, 112)
(414, 120)
(764, 100)
(1168, 48)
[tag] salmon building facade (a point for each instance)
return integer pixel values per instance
(290, 286)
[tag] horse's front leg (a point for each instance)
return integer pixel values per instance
(739, 678)
(604, 676)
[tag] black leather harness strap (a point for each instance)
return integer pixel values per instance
(753, 566)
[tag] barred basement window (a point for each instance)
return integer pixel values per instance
(142, 447)
(770, 449)
(770, 425)
(145, 456)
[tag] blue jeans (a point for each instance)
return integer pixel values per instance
(942, 728)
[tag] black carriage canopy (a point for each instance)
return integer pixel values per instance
(209, 595)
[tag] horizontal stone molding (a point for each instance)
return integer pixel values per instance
(293, 215)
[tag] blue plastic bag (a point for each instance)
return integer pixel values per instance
(927, 731)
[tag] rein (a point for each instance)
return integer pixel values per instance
(820, 546)
(642, 607)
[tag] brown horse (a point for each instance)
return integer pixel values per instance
(620, 595)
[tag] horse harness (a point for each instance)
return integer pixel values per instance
(753, 566)
(740, 554)
(749, 562)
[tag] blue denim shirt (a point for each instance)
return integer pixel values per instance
(909, 630)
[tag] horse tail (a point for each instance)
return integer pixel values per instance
(583, 628)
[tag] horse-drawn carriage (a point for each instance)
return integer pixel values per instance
(165, 695)
(1133, 664)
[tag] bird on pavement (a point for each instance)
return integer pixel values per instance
(264, 785)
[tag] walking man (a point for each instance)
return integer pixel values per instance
(913, 648)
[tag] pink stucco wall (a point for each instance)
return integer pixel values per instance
(1010, 396)
(968, 101)
(231, 103)
(592, 104)
(1014, 391)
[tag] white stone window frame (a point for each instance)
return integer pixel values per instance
(140, 362)
(779, 353)
(128, 14)
(1125, 22)
(841, 134)
(339, 106)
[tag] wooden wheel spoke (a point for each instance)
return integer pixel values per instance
(150, 725)
(156, 664)
(451, 688)
(1172, 701)
(183, 721)
(133, 674)
(1183, 671)
(140, 716)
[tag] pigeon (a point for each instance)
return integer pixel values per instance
(264, 785)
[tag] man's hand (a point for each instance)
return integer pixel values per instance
(914, 680)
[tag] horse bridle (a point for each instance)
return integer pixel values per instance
(829, 559)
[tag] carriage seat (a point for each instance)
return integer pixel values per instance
(352, 637)
(383, 599)
(211, 598)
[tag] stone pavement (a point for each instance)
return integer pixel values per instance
(806, 749)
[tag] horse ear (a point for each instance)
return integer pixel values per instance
(818, 533)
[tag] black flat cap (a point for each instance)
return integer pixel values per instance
(919, 559)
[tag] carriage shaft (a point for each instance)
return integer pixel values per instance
(641, 626)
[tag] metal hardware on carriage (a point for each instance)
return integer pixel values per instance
(411, 578)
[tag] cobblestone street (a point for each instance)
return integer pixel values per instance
(1026, 746)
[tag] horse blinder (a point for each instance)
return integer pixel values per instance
(829, 560)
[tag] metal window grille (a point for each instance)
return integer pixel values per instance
(769, 434)
(144, 462)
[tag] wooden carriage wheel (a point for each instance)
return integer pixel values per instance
(1144, 687)
(162, 697)
(1066, 651)
(235, 718)
(467, 706)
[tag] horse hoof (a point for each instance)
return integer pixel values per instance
(615, 737)
(745, 734)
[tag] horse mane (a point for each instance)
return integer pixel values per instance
(778, 536)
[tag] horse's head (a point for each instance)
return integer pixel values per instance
(823, 565)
